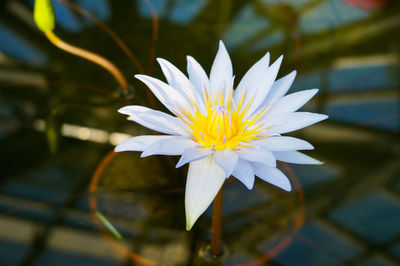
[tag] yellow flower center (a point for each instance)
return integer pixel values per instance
(223, 126)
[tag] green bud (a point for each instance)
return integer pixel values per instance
(43, 14)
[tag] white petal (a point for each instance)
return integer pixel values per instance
(263, 87)
(257, 154)
(221, 71)
(140, 143)
(153, 119)
(193, 154)
(283, 143)
(244, 172)
(251, 77)
(280, 87)
(168, 96)
(272, 175)
(295, 157)
(197, 75)
(178, 80)
(293, 121)
(205, 178)
(226, 159)
(173, 146)
(290, 103)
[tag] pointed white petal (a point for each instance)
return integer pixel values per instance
(251, 77)
(153, 119)
(205, 178)
(280, 87)
(272, 175)
(290, 103)
(172, 146)
(257, 154)
(293, 121)
(178, 80)
(283, 143)
(244, 172)
(140, 143)
(197, 75)
(226, 159)
(295, 157)
(261, 90)
(168, 96)
(221, 71)
(193, 154)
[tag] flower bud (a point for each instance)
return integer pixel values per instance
(43, 14)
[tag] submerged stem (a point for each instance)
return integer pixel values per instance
(110, 67)
(216, 245)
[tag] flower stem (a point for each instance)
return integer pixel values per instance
(216, 247)
(95, 58)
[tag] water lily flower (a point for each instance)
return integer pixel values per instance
(221, 131)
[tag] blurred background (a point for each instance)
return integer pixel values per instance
(66, 199)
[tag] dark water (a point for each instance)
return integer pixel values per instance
(52, 203)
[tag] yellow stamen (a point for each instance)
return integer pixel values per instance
(241, 101)
(222, 126)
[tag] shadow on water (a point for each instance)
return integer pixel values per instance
(65, 197)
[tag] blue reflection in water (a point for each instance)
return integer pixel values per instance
(362, 78)
(380, 113)
(268, 41)
(380, 77)
(243, 26)
(316, 244)
(375, 217)
(395, 250)
(99, 8)
(12, 253)
(292, 3)
(307, 81)
(330, 14)
(159, 6)
(183, 11)
(310, 175)
(14, 46)
(186, 10)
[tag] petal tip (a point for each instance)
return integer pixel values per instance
(180, 163)
(121, 110)
(188, 226)
(160, 60)
(222, 46)
(142, 78)
(250, 187)
(118, 148)
(286, 186)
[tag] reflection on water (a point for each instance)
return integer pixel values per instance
(344, 212)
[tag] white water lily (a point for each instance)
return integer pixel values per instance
(221, 131)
